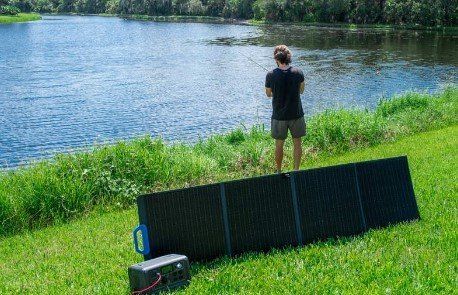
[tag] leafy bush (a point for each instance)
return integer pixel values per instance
(23, 5)
(424, 12)
(367, 11)
(43, 6)
(238, 9)
(9, 10)
(258, 10)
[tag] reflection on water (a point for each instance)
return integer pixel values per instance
(376, 44)
(68, 81)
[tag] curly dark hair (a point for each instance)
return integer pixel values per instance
(282, 54)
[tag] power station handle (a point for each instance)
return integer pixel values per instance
(145, 239)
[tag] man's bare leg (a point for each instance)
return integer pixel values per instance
(279, 153)
(297, 153)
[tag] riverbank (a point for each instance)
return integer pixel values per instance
(167, 18)
(352, 26)
(111, 176)
(91, 256)
(185, 18)
(21, 17)
(253, 22)
(222, 20)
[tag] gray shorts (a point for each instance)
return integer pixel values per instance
(279, 129)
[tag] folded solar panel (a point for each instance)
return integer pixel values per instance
(386, 191)
(274, 211)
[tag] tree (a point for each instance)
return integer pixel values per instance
(66, 6)
(23, 5)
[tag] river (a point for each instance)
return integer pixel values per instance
(71, 81)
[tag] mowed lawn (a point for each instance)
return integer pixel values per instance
(91, 255)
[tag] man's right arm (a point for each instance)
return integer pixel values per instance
(269, 84)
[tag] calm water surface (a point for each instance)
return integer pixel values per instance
(69, 81)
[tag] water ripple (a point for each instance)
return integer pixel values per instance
(68, 82)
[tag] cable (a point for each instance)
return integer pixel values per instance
(158, 280)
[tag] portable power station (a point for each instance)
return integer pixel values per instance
(159, 274)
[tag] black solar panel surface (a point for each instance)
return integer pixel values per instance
(329, 203)
(260, 212)
(387, 192)
(187, 221)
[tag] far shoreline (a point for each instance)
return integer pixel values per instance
(253, 22)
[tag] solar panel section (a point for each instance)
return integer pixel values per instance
(386, 191)
(187, 221)
(329, 202)
(260, 213)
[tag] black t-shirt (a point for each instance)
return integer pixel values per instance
(285, 85)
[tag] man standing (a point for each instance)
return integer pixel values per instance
(285, 84)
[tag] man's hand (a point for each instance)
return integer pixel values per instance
(302, 87)
(268, 92)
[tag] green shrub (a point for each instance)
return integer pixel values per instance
(402, 104)
(344, 129)
(43, 6)
(238, 9)
(9, 10)
(235, 137)
(23, 5)
(258, 10)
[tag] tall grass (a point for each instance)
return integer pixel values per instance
(20, 17)
(410, 258)
(111, 176)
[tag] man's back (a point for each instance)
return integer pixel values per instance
(285, 85)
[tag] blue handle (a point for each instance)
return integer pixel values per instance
(145, 239)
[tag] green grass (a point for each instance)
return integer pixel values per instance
(91, 256)
(110, 177)
(21, 17)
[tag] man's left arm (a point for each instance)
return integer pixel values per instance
(269, 92)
